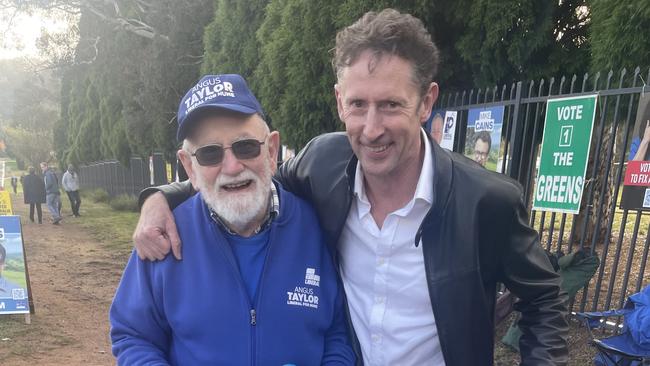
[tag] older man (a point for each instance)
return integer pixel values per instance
(256, 285)
(437, 124)
(423, 235)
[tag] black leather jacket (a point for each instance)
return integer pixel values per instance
(475, 235)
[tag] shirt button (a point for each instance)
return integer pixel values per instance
(379, 299)
(381, 261)
(376, 338)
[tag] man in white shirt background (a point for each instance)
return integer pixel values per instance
(70, 184)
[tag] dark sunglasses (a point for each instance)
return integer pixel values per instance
(213, 154)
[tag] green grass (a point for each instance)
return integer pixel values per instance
(96, 195)
(124, 202)
(110, 227)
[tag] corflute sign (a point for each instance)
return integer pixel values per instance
(565, 153)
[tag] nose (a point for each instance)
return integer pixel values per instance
(230, 164)
(373, 127)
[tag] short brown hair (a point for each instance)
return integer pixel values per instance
(389, 32)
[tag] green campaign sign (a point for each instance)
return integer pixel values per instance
(565, 152)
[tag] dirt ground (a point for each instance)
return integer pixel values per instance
(73, 279)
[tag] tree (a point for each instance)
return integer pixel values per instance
(230, 42)
(513, 40)
(614, 35)
(294, 75)
(29, 113)
(124, 101)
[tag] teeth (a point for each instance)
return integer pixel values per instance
(236, 185)
(378, 149)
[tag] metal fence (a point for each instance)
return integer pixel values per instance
(619, 237)
(116, 178)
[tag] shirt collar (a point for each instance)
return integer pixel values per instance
(423, 190)
(274, 211)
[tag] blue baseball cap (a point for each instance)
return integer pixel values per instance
(228, 91)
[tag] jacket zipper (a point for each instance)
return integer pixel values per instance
(253, 323)
(230, 256)
(253, 317)
(255, 301)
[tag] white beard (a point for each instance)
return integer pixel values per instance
(238, 210)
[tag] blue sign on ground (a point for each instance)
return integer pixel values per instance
(14, 298)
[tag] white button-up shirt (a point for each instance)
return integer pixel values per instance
(384, 278)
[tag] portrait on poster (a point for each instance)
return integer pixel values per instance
(14, 297)
(441, 125)
(636, 189)
(483, 138)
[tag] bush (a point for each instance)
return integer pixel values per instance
(98, 195)
(124, 202)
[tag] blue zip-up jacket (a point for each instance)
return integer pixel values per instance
(197, 312)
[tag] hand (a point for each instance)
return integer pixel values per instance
(156, 231)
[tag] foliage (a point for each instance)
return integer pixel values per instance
(121, 96)
(135, 59)
(230, 42)
(28, 111)
(618, 34)
(28, 147)
(513, 40)
(294, 74)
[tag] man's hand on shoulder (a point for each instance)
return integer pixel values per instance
(156, 231)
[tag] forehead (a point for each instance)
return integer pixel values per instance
(480, 144)
(381, 74)
(225, 128)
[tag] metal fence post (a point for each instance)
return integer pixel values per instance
(516, 138)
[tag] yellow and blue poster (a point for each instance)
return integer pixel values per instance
(14, 297)
(5, 203)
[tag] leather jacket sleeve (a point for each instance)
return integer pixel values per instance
(175, 193)
(528, 273)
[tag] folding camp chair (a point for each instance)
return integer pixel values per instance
(622, 348)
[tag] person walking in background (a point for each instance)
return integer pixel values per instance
(14, 183)
(70, 184)
(52, 193)
(34, 193)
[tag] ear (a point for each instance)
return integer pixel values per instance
(339, 101)
(274, 148)
(427, 102)
(186, 160)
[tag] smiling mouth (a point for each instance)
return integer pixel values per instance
(378, 149)
(234, 187)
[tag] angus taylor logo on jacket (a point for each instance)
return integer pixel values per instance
(305, 295)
